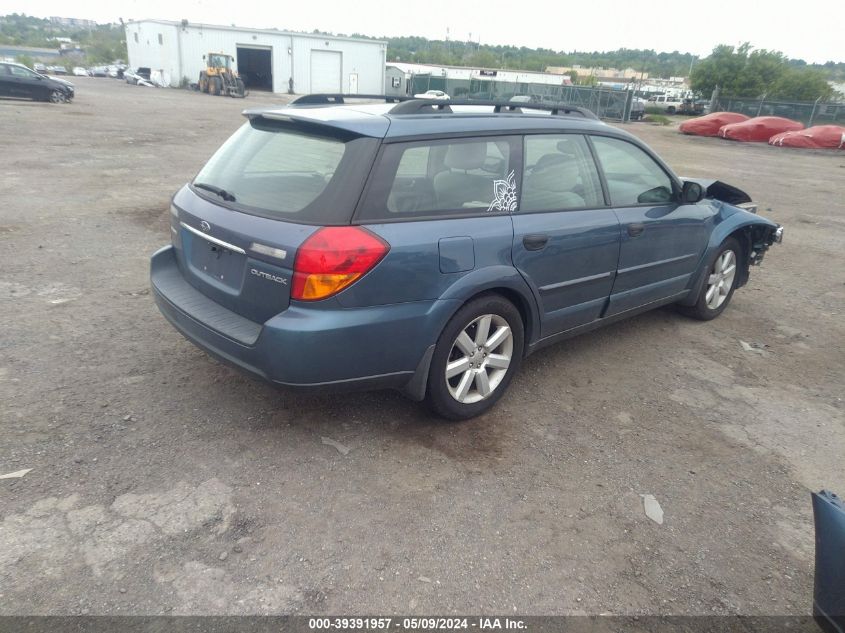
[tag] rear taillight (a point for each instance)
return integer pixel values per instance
(333, 258)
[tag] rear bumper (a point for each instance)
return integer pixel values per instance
(307, 347)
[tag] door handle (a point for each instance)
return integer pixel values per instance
(536, 242)
(635, 229)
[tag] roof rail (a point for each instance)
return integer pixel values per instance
(330, 99)
(428, 106)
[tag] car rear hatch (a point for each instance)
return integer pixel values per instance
(237, 227)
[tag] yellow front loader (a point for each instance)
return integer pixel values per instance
(218, 78)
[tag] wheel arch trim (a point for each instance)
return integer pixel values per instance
(504, 280)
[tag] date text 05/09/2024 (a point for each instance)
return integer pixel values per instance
(417, 624)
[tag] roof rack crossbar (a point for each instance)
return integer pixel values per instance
(421, 106)
(428, 106)
(329, 98)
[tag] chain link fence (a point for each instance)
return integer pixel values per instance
(808, 112)
(604, 102)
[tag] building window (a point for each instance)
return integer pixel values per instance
(160, 39)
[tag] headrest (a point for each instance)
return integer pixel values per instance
(557, 176)
(465, 155)
(566, 146)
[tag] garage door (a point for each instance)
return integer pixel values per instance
(325, 71)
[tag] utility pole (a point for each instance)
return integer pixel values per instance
(714, 99)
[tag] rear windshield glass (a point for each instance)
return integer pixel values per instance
(301, 173)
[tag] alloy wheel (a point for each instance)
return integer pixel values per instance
(721, 279)
(479, 359)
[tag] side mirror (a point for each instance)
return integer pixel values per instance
(692, 193)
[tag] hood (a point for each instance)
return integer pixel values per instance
(60, 81)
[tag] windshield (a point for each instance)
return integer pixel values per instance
(283, 170)
(218, 61)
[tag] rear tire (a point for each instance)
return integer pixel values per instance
(670, 110)
(717, 290)
(475, 358)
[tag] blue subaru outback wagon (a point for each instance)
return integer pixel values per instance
(431, 246)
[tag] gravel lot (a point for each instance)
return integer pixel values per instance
(164, 482)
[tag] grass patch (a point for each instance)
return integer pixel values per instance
(657, 119)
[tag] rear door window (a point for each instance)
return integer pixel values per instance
(560, 174)
(309, 174)
(444, 177)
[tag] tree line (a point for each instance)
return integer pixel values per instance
(744, 72)
(102, 44)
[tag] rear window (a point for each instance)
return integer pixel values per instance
(302, 173)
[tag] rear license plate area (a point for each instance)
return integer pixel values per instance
(218, 262)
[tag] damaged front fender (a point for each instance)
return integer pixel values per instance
(719, 190)
(762, 233)
(735, 217)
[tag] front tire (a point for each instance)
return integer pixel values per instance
(475, 359)
(56, 96)
(720, 284)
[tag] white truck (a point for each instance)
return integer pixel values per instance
(668, 103)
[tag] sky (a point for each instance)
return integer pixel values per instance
(811, 29)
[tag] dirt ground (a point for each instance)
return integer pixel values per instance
(164, 482)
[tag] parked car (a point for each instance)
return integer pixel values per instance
(637, 109)
(829, 584)
(525, 99)
(616, 109)
(79, 71)
(41, 69)
(329, 247)
(56, 70)
(432, 94)
(99, 71)
(16, 80)
(132, 76)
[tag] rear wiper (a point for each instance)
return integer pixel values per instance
(228, 197)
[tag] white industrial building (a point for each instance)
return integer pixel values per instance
(400, 74)
(266, 59)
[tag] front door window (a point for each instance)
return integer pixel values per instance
(633, 177)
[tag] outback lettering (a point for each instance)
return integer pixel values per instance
(263, 275)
